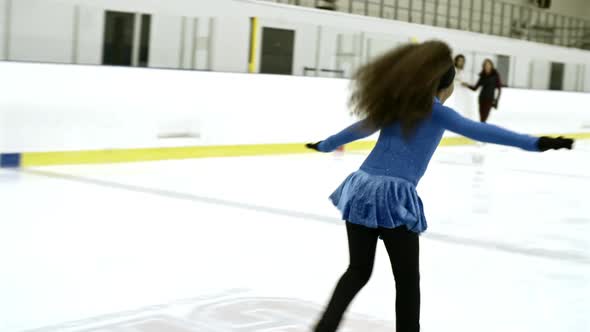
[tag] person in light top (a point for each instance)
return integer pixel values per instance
(459, 69)
(462, 99)
(402, 95)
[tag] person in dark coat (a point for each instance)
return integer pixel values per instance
(489, 81)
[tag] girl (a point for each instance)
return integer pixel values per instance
(401, 94)
(489, 81)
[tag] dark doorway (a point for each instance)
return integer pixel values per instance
(556, 78)
(277, 51)
(118, 39)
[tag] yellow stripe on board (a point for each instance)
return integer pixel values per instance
(253, 44)
(574, 135)
(150, 154)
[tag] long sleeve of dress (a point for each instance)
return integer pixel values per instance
(354, 132)
(483, 132)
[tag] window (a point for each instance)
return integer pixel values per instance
(126, 39)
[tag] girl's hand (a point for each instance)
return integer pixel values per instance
(548, 143)
(313, 146)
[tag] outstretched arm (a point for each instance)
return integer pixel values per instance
(483, 132)
(359, 130)
(473, 87)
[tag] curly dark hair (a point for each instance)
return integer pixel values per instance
(400, 85)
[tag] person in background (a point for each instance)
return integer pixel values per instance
(462, 99)
(459, 69)
(490, 82)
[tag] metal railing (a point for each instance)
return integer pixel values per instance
(483, 16)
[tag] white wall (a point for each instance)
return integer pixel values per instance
(180, 42)
(187, 35)
(328, 47)
(381, 43)
(577, 8)
(4, 21)
(165, 41)
(46, 108)
(41, 31)
(522, 52)
(586, 77)
(202, 43)
(521, 77)
(349, 22)
(90, 35)
(168, 7)
(459, 39)
(570, 77)
(541, 73)
(231, 43)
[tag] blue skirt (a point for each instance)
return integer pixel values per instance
(380, 201)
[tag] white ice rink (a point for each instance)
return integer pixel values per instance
(253, 244)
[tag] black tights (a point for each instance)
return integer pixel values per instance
(403, 250)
